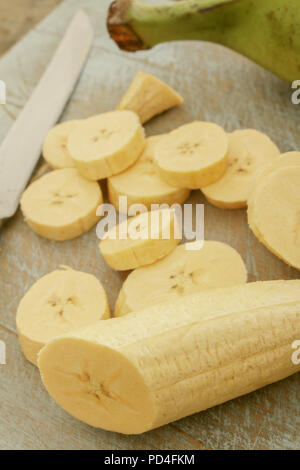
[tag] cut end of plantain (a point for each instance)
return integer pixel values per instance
(248, 151)
(142, 183)
(148, 96)
(56, 304)
(55, 150)
(106, 144)
(61, 205)
(274, 208)
(97, 384)
(181, 273)
(193, 155)
(141, 240)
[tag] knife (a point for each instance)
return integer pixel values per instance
(21, 148)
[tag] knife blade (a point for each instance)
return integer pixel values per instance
(21, 148)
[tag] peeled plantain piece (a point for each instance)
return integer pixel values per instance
(106, 144)
(148, 96)
(141, 240)
(61, 301)
(180, 273)
(142, 184)
(193, 155)
(248, 151)
(151, 367)
(55, 150)
(61, 205)
(274, 208)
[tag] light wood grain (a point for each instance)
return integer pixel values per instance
(19, 16)
(217, 85)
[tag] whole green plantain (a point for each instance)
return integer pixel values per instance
(266, 31)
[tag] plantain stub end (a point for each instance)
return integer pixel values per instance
(120, 30)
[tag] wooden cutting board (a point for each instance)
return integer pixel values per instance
(217, 85)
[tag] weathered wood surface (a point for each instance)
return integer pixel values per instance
(217, 85)
(19, 16)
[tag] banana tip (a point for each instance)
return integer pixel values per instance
(120, 30)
